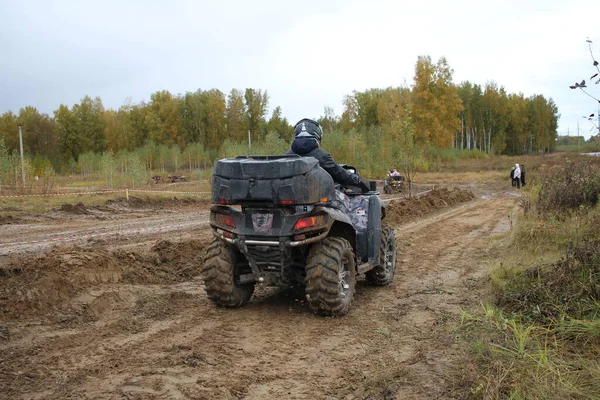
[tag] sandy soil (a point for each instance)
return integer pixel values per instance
(118, 309)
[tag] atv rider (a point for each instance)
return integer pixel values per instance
(307, 143)
(395, 175)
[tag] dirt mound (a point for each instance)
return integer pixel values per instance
(77, 209)
(407, 209)
(122, 205)
(158, 307)
(169, 262)
(83, 211)
(38, 286)
(9, 219)
(154, 202)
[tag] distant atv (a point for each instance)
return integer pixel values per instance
(281, 220)
(393, 184)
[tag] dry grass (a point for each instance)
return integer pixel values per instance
(494, 169)
(541, 337)
(517, 360)
(449, 178)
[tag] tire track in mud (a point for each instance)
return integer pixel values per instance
(438, 257)
(394, 341)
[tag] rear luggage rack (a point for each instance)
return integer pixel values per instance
(279, 180)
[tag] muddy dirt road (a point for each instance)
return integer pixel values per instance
(127, 317)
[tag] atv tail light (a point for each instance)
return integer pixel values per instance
(225, 233)
(223, 201)
(224, 219)
(308, 222)
(286, 202)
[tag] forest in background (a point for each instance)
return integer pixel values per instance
(415, 127)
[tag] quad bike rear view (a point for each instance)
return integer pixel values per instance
(281, 220)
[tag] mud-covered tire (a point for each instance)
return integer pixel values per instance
(384, 273)
(330, 277)
(218, 274)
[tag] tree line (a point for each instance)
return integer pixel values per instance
(194, 129)
(446, 115)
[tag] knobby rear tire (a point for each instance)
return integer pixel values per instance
(219, 276)
(330, 277)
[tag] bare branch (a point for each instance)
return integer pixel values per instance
(589, 95)
(592, 55)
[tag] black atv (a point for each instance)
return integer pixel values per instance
(281, 220)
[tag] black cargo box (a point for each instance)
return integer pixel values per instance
(273, 179)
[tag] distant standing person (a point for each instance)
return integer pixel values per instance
(512, 176)
(517, 177)
(523, 175)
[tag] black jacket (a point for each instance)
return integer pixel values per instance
(309, 147)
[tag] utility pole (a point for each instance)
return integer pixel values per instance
(19, 124)
(249, 143)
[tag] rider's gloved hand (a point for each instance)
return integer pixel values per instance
(365, 186)
(362, 184)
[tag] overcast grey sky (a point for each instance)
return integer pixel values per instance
(306, 54)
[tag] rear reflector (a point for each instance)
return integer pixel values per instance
(286, 202)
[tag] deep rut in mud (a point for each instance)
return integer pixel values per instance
(133, 321)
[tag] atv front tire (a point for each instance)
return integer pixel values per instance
(330, 277)
(384, 273)
(219, 276)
